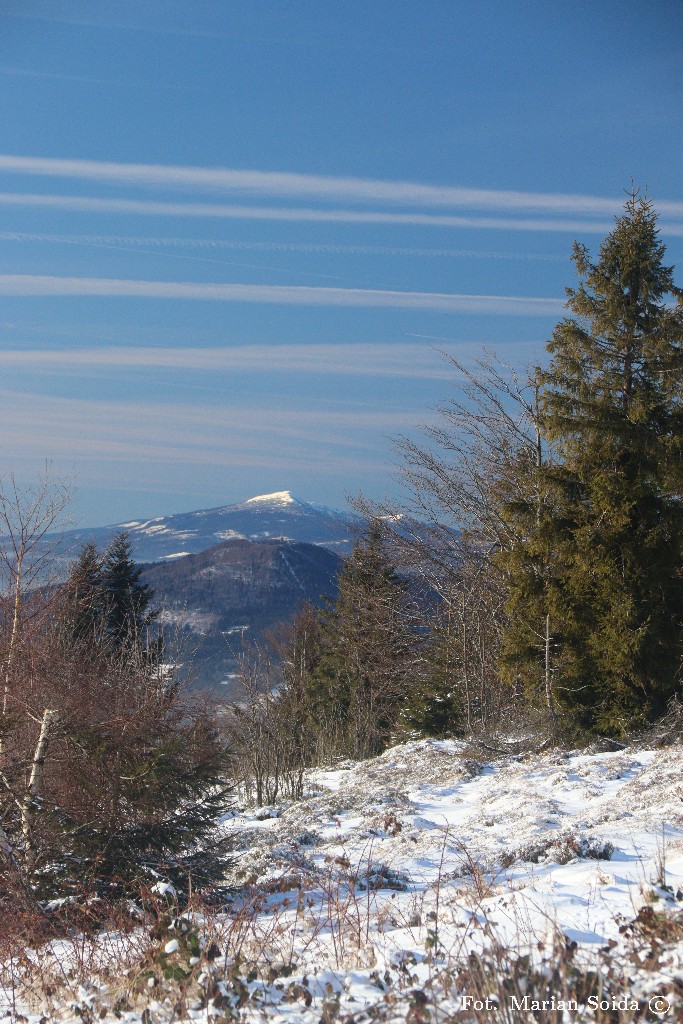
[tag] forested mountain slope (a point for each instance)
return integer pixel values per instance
(209, 601)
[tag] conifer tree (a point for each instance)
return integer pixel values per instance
(128, 617)
(459, 691)
(84, 605)
(596, 588)
(439, 706)
(369, 651)
(112, 777)
(106, 605)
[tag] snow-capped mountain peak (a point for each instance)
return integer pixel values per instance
(276, 498)
(277, 515)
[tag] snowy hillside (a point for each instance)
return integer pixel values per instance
(419, 884)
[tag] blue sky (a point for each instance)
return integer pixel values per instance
(234, 234)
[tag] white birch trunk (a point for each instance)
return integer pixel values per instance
(28, 807)
(548, 670)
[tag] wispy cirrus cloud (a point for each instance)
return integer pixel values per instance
(352, 359)
(13, 72)
(228, 211)
(106, 24)
(35, 426)
(318, 187)
(298, 295)
(163, 242)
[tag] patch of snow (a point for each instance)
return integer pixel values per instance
(183, 618)
(163, 889)
(230, 676)
(144, 524)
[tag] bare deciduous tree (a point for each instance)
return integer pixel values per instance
(27, 515)
(472, 466)
(269, 728)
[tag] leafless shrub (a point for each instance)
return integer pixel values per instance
(669, 728)
(266, 730)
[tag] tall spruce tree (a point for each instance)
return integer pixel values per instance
(369, 652)
(84, 612)
(128, 615)
(595, 579)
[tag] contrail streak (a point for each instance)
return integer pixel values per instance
(299, 295)
(320, 187)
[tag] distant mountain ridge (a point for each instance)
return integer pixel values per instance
(224, 574)
(276, 516)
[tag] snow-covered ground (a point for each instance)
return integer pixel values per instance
(573, 840)
(389, 873)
